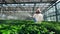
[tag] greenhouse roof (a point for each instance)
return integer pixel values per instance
(26, 5)
(27, 1)
(21, 8)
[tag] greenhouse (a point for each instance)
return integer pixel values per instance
(29, 16)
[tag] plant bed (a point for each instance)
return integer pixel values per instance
(28, 27)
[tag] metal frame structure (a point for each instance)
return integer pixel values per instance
(56, 11)
(14, 2)
(26, 1)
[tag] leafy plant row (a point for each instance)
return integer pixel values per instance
(28, 27)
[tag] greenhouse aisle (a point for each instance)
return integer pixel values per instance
(24, 17)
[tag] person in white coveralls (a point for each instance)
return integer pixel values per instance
(38, 17)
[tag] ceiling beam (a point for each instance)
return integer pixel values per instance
(14, 2)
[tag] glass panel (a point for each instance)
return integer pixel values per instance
(58, 7)
(51, 11)
(48, 19)
(53, 18)
(58, 17)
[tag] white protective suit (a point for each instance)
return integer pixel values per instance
(38, 17)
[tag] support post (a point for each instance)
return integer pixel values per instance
(56, 13)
